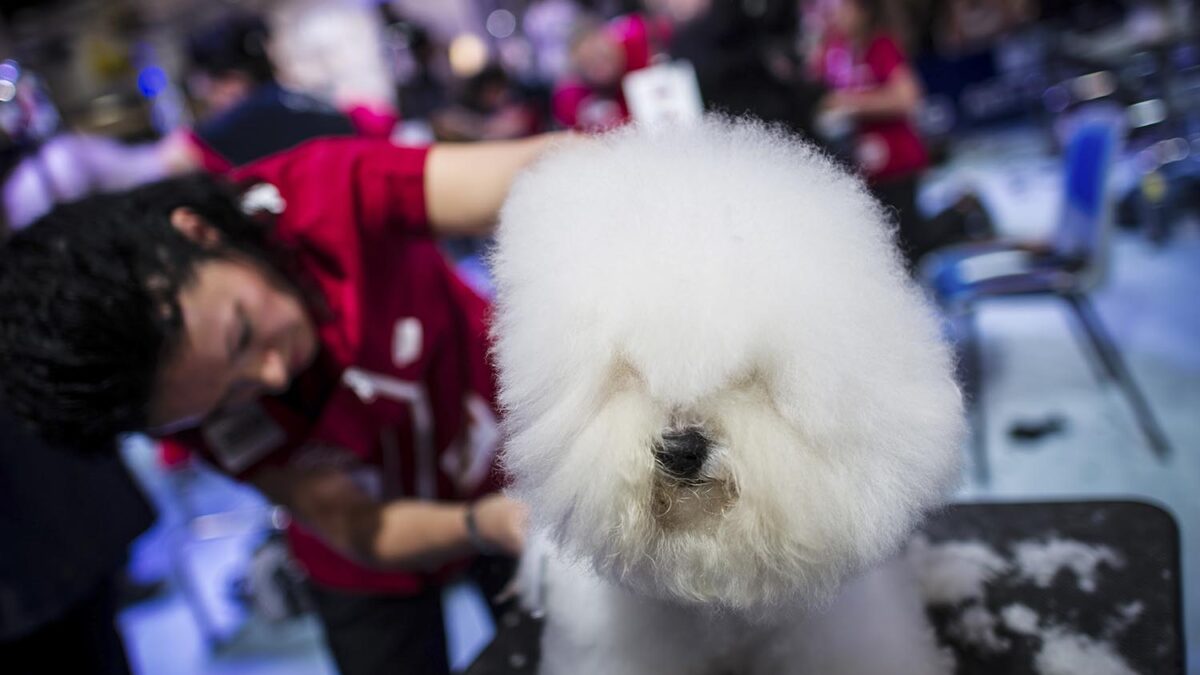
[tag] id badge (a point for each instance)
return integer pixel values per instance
(239, 438)
(664, 93)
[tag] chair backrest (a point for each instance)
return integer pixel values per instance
(1092, 146)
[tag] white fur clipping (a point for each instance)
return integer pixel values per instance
(725, 276)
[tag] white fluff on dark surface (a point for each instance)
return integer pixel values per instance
(954, 571)
(1041, 561)
(1019, 619)
(1067, 653)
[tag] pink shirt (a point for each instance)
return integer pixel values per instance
(884, 148)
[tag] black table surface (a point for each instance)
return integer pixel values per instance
(1143, 536)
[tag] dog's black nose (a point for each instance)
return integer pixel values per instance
(681, 454)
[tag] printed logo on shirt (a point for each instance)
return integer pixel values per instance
(239, 438)
(470, 466)
(369, 387)
(407, 341)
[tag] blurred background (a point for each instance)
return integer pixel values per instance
(1045, 173)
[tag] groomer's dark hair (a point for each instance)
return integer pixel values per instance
(89, 303)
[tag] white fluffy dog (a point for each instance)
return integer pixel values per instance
(724, 399)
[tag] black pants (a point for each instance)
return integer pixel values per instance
(915, 234)
(376, 634)
(900, 196)
(83, 641)
(392, 635)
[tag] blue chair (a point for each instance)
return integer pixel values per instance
(1068, 266)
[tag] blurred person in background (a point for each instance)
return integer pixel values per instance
(745, 61)
(548, 25)
(491, 107)
(602, 53)
(876, 92)
(42, 164)
(966, 26)
(419, 66)
(247, 114)
(297, 325)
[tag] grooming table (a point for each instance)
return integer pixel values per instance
(1134, 605)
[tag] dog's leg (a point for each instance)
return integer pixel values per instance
(594, 627)
(876, 626)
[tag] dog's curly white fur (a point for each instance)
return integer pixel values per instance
(727, 280)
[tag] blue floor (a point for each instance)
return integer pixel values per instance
(1034, 366)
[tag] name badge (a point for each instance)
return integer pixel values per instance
(663, 93)
(407, 342)
(241, 437)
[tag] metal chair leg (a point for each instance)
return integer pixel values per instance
(1110, 358)
(970, 374)
(1096, 365)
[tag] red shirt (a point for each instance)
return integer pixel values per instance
(402, 392)
(884, 148)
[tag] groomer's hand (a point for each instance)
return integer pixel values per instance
(502, 523)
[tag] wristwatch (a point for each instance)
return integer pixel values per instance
(480, 544)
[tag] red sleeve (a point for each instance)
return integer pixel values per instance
(389, 185)
(565, 101)
(333, 183)
(630, 32)
(372, 122)
(884, 56)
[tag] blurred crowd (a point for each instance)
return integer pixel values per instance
(878, 81)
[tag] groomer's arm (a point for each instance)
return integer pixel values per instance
(900, 96)
(402, 534)
(466, 183)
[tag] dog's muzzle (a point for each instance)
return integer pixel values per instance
(681, 454)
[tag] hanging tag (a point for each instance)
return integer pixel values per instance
(663, 94)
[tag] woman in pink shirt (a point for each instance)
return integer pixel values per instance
(602, 54)
(874, 88)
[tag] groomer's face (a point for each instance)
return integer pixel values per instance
(244, 335)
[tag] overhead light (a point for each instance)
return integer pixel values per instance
(468, 55)
(1172, 150)
(152, 80)
(1094, 85)
(10, 70)
(1146, 113)
(501, 23)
